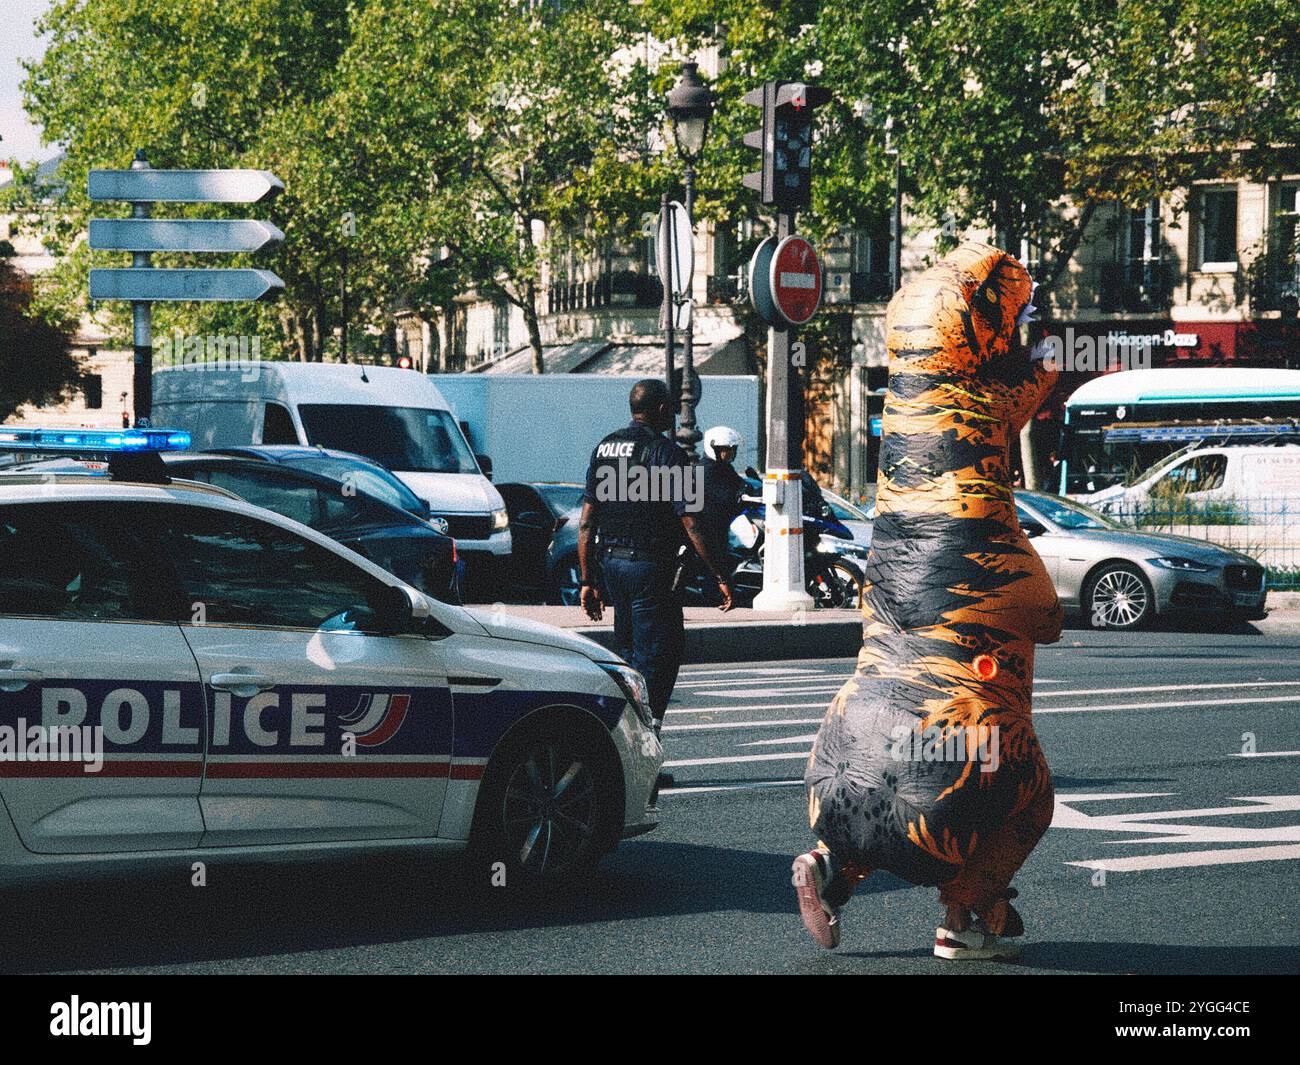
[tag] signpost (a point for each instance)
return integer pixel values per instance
(193, 234)
(141, 235)
(149, 285)
(675, 262)
(795, 280)
(785, 284)
(143, 184)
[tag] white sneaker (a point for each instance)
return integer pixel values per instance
(974, 944)
(820, 918)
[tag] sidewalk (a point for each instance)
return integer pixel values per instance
(761, 635)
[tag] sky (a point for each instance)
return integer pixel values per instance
(21, 139)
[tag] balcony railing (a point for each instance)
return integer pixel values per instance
(1137, 285)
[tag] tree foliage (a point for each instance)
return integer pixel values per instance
(37, 365)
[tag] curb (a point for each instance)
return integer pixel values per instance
(836, 634)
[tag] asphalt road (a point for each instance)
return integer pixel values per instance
(1174, 850)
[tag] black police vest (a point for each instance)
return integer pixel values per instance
(645, 525)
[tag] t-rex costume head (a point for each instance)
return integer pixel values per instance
(955, 600)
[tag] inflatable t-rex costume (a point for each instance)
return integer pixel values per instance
(927, 764)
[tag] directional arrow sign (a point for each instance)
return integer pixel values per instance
(166, 234)
(184, 186)
(147, 284)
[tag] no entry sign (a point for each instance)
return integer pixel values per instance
(796, 280)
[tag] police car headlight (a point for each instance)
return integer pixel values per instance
(635, 689)
(500, 520)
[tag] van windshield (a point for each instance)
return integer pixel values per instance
(406, 439)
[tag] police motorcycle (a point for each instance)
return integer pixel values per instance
(833, 580)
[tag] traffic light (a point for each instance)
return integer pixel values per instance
(785, 140)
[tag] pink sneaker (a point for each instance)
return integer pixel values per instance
(819, 917)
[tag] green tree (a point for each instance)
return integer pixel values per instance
(485, 125)
(37, 365)
(194, 83)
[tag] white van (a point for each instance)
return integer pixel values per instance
(394, 416)
(1238, 474)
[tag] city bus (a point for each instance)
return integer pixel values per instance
(1120, 424)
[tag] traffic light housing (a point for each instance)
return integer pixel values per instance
(785, 141)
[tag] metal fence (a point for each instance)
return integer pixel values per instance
(1266, 530)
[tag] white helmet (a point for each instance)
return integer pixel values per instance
(720, 436)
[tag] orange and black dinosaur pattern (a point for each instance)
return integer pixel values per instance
(955, 600)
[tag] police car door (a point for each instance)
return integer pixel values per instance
(320, 729)
(92, 659)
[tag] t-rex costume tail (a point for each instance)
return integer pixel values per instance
(956, 599)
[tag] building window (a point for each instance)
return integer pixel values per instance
(92, 388)
(1284, 223)
(869, 279)
(1218, 229)
(1142, 233)
(500, 327)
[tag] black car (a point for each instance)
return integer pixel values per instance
(389, 536)
(365, 475)
(544, 533)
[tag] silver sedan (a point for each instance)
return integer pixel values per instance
(1121, 578)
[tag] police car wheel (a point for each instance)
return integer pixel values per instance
(549, 807)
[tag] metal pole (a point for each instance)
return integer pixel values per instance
(783, 569)
(896, 227)
(142, 324)
(689, 435)
(665, 256)
(343, 305)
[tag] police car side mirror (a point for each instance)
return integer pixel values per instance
(393, 611)
(1032, 528)
(484, 464)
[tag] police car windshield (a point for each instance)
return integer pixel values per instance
(409, 439)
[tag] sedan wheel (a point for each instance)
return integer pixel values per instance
(550, 810)
(1119, 597)
(549, 806)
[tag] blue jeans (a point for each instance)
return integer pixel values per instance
(648, 625)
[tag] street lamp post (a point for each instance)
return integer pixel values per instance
(690, 107)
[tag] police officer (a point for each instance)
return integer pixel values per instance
(723, 487)
(640, 534)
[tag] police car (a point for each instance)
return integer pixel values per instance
(183, 675)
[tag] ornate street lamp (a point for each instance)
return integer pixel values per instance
(690, 108)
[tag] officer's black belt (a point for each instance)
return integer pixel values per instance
(637, 554)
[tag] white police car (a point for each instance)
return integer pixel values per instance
(185, 675)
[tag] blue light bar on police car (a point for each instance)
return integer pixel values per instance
(99, 441)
